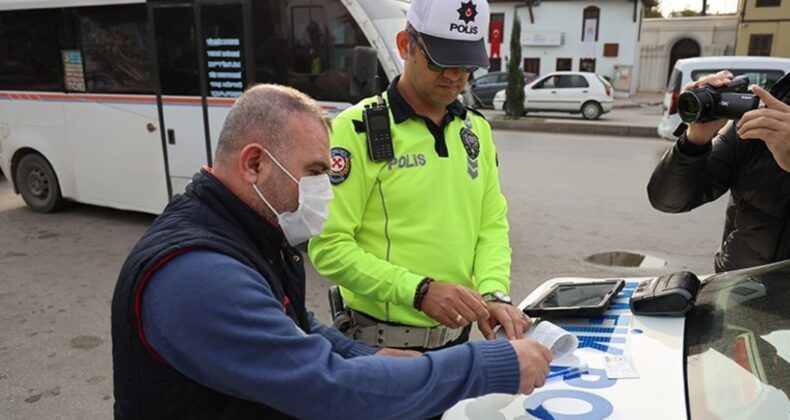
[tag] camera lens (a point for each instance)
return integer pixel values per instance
(689, 107)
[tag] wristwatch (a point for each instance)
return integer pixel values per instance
(499, 297)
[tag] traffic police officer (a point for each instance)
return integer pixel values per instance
(417, 235)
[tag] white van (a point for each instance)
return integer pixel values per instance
(762, 71)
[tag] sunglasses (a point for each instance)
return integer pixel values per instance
(432, 66)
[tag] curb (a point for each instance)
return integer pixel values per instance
(635, 105)
(576, 128)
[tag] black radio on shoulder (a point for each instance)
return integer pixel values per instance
(377, 128)
(669, 295)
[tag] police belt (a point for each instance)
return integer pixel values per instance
(381, 334)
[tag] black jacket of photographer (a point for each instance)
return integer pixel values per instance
(756, 227)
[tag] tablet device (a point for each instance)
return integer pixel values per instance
(575, 299)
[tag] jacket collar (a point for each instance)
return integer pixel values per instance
(211, 191)
(401, 110)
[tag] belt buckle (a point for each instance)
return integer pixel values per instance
(428, 342)
(435, 337)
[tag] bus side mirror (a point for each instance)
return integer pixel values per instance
(364, 68)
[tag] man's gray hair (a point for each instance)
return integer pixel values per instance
(261, 115)
(413, 37)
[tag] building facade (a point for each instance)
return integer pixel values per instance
(601, 36)
(763, 28)
(664, 41)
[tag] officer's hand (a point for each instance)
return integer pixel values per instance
(533, 364)
(444, 302)
(771, 124)
(386, 351)
(703, 133)
(512, 319)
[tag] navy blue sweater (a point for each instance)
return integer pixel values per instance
(216, 321)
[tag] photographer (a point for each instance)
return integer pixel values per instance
(751, 158)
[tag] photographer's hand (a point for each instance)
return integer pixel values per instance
(771, 125)
(703, 133)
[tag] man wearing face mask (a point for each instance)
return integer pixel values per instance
(208, 315)
(418, 242)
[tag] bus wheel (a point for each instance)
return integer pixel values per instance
(38, 184)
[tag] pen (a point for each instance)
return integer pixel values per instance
(567, 373)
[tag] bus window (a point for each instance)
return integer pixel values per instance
(309, 33)
(272, 58)
(307, 47)
(223, 37)
(117, 55)
(29, 58)
(178, 59)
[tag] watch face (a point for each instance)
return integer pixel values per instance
(502, 297)
(497, 297)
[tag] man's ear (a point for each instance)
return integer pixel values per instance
(253, 163)
(402, 41)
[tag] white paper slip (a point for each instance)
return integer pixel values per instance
(620, 367)
(560, 342)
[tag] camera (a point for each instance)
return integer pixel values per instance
(707, 103)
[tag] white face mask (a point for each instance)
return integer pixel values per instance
(315, 193)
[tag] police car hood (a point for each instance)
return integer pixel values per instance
(653, 345)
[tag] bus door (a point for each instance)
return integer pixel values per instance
(202, 68)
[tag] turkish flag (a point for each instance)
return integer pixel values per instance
(495, 38)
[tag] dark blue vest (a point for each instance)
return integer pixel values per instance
(207, 216)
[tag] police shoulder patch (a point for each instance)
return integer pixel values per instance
(339, 165)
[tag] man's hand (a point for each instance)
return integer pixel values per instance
(386, 351)
(770, 124)
(510, 317)
(453, 305)
(533, 364)
(702, 133)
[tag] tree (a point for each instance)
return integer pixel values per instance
(686, 13)
(652, 12)
(514, 95)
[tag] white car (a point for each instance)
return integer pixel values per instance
(762, 71)
(728, 358)
(566, 91)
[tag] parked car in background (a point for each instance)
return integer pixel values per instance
(762, 71)
(566, 91)
(483, 88)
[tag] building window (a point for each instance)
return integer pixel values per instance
(532, 65)
(587, 64)
(564, 64)
(611, 50)
(29, 56)
(768, 3)
(590, 23)
(760, 44)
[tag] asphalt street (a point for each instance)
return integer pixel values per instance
(569, 196)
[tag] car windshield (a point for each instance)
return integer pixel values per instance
(738, 345)
(763, 78)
